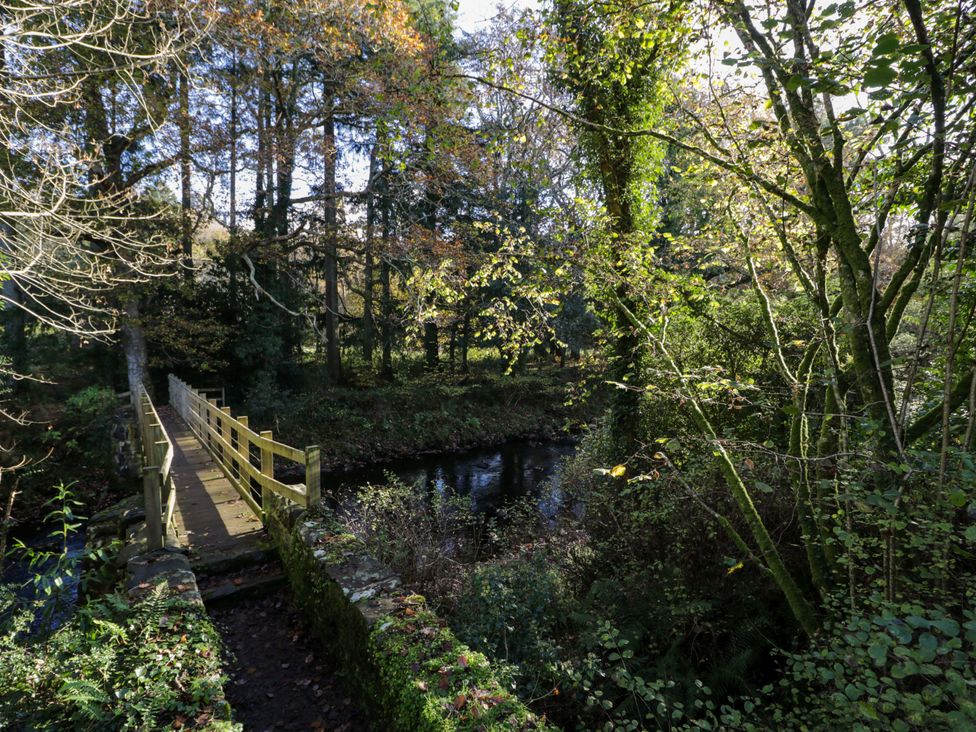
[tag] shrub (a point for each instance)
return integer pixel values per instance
(426, 537)
(901, 667)
(513, 610)
(83, 434)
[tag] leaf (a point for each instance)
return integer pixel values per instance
(886, 44)
(970, 533)
(460, 701)
(879, 652)
(958, 498)
(927, 646)
(880, 76)
(618, 471)
(947, 626)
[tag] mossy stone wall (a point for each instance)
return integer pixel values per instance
(402, 661)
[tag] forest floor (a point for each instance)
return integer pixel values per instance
(280, 677)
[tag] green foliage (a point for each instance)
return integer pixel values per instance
(901, 667)
(513, 611)
(113, 666)
(83, 434)
(54, 573)
(74, 443)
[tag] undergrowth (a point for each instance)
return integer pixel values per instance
(113, 666)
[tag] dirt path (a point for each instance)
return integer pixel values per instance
(280, 678)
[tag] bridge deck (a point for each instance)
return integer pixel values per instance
(210, 516)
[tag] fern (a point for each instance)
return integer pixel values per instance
(90, 701)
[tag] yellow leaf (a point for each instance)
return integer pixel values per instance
(735, 568)
(618, 471)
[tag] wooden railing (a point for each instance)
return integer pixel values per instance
(246, 457)
(157, 481)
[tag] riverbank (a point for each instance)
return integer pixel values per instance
(435, 413)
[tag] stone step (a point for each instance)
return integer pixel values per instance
(234, 588)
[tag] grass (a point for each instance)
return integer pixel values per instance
(442, 412)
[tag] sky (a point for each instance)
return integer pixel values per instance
(473, 15)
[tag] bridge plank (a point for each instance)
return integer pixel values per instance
(210, 515)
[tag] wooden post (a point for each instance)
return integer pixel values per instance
(157, 444)
(154, 507)
(313, 487)
(244, 451)
(267, 468)
(212, 408)
(227, 431)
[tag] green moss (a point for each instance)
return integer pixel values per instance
(431, 681)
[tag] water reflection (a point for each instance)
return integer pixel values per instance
(490, 476)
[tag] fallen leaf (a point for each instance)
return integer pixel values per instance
(460, 701)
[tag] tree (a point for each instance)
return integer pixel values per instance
(67, 184)
(612, 59)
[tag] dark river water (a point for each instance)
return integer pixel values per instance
(50, 610)
(491, 476)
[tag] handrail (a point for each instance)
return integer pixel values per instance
(157, 480)
(229, 440)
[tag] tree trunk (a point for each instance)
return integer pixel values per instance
(260, 188)
(465, 337)
(134, 342)
(452, 346)
(232, 215)
(627, 348)
(333, 356)
(386, 297)
(368, 326)
(284, 149)
(14, 329)
(186, 234)
(387, 307)
(431, 346)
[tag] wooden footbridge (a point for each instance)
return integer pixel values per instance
(207, 474)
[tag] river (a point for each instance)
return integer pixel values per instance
(491, 476)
